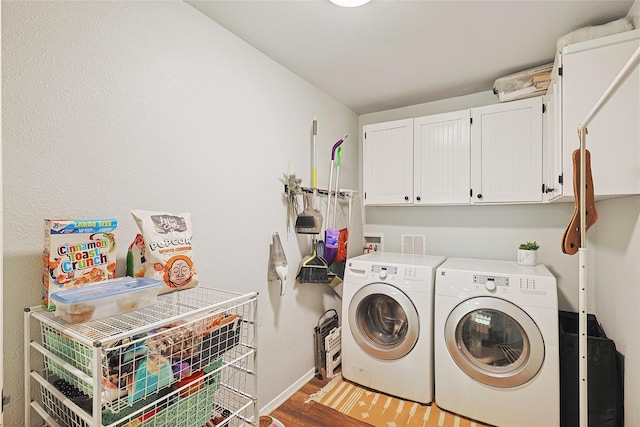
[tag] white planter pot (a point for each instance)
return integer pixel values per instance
(527, 257)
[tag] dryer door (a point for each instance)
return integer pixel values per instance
(494, 342)
(383, 321)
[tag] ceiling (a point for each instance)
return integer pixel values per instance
(393, 53)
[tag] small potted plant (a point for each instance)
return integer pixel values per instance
(528, 253)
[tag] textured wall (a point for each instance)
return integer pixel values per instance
(616, 296)
(113, 106)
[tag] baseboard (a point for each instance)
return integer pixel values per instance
(287, 393)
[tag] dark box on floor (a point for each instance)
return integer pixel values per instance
(604, 374)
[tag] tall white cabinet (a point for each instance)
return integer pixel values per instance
(586, 71)
(490, 154)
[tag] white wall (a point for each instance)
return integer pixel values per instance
(113, 106)
(617, 290)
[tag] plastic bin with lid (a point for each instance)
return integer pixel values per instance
(106, 298)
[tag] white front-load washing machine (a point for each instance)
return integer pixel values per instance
(496, 342)
(387, 323)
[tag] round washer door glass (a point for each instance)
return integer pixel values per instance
(494, 342)
(383, 321)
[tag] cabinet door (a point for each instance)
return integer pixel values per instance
(387, 163)
(442, 158)
(552, 143)
(506, 152)
(588, 69)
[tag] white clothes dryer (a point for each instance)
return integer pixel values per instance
(387, 323)
(496, 343)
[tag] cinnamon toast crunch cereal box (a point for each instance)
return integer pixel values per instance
(76, 253)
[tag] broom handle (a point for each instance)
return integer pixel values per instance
(314, 170)
(329, 193)
(333, 156)
(335, 204)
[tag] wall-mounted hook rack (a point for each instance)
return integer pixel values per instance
(342, 193)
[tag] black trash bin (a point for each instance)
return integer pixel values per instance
(604, 374)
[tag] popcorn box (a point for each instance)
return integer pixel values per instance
(76, 253)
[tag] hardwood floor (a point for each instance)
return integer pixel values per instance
(296, 413)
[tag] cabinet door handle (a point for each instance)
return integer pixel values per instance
(418, 198)
(406, 198)
(479, 196)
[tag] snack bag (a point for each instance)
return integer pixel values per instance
(167, 248)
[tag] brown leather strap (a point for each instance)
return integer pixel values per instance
(571, 239)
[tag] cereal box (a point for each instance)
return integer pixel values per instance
(76, 253)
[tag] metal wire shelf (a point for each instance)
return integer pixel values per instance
(189, 357)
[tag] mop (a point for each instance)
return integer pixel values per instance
(332, 234)
(341, 255)
(338, 265)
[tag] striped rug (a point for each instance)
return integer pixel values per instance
(381, 410)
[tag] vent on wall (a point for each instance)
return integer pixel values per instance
(413, 244)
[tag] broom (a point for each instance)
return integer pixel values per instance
(314, 269)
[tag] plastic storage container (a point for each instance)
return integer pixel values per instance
(525, 84)
(106, 298)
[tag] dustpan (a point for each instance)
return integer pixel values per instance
(314, 268)
(309, 221)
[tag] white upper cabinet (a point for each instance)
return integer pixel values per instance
(506, 152)
(613, 139)
(388, 163)
(442, 154)
(490, 154)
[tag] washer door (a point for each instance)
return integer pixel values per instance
(383, 321)
(494, 342)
